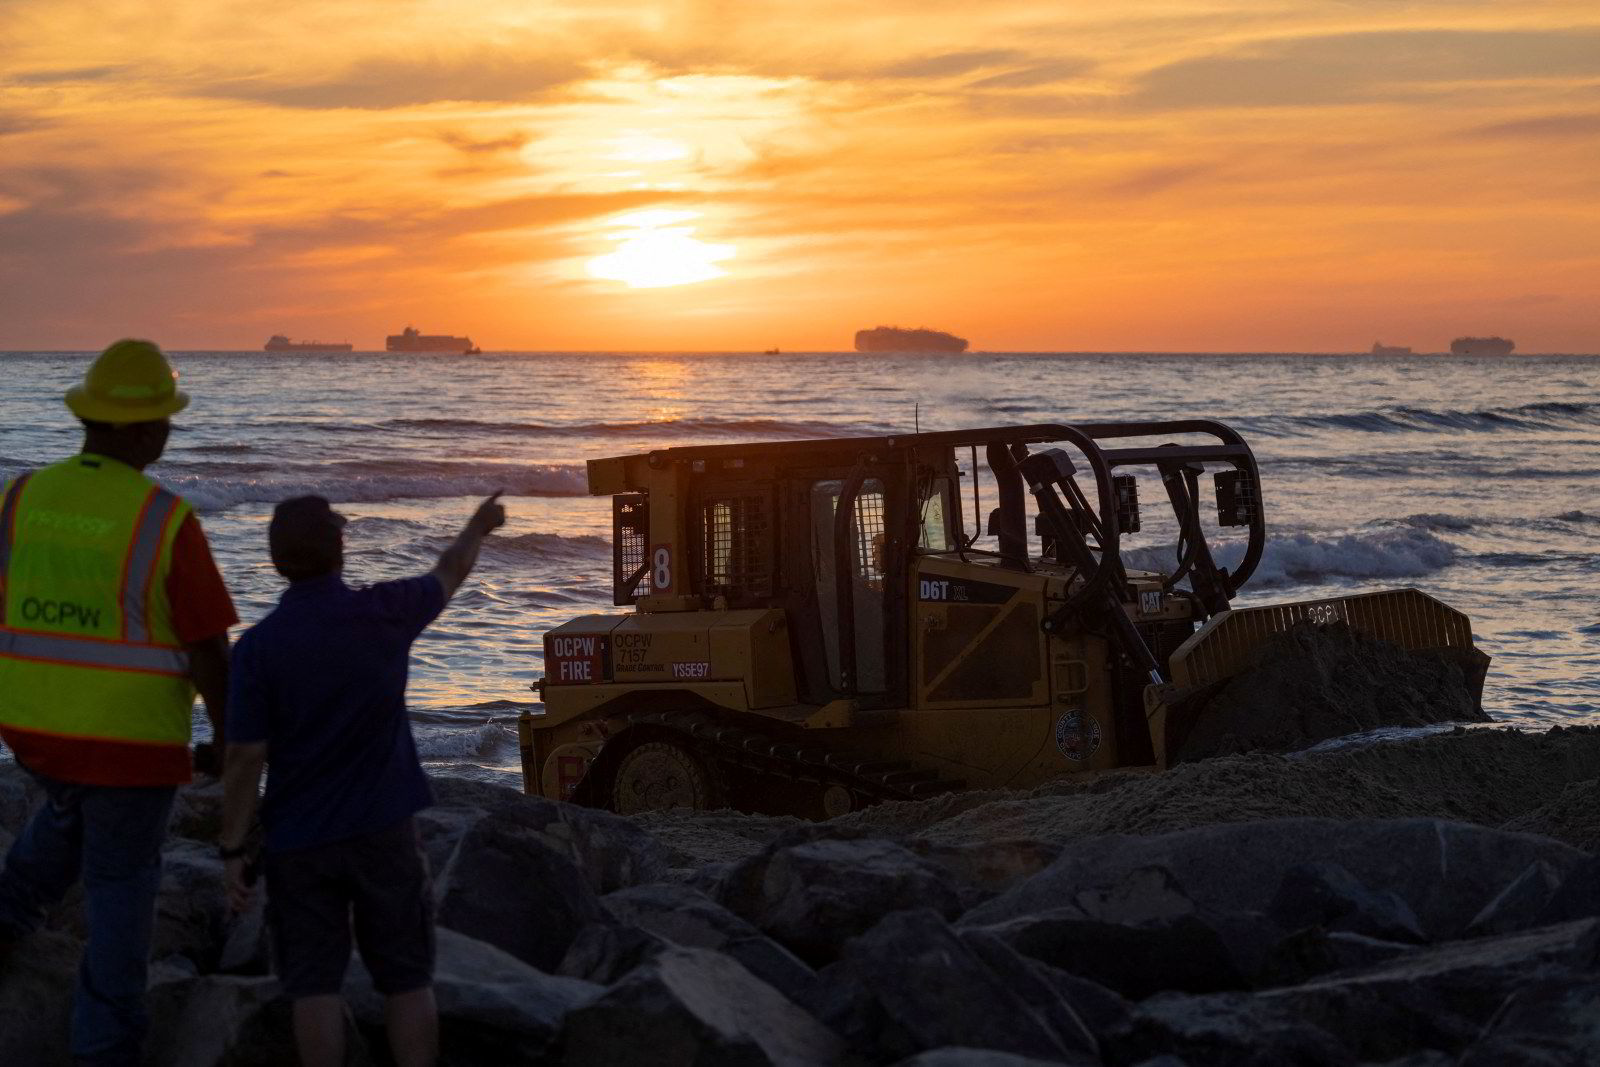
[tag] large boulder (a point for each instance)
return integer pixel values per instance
(36, 981)
(1438, 996)
(1521, 904)
(1315, 951)
(1579, 894)
(1085, 1014)
(1329, 896)
(192, 914)
(815, 895)
(493, 1008)
(17, 793)
(504, 885)
(1444, 871)
(912, 984)
(1140, 933)
(197, 812)
(606, 954)
(687, 917)
(1551, 1023)
(988, 867)
(1137, 961)
(611, 851)
(204, 1020)
(1228, 1030)
(693, 1007)
(1107, 1014)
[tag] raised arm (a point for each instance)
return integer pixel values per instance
(458, 560)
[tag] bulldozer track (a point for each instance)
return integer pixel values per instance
(864, 773)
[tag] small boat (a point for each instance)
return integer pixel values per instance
(413, 340)
(280, 343)
(1482, 346)
(1381, 349)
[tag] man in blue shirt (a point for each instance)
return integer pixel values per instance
(318, 692)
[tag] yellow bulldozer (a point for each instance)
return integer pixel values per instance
(819, 625)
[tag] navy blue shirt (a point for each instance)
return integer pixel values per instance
(322, 680)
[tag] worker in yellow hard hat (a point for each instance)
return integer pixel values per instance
(112, 615)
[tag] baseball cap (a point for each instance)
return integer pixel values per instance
(306, 537)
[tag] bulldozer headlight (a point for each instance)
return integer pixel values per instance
(1127, 487)
(1238, 500)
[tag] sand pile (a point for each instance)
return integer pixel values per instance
(1312, 683)
(1572, 817)
(1487, 777)
(1536, 782)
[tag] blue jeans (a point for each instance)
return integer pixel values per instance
(110, 836)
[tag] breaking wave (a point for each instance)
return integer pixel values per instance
(216, 486)
(1307, 559)
(1545, 415)
(453, 743)
(1300, 558)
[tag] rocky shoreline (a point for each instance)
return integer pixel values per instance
(1413, 904)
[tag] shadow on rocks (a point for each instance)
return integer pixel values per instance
(493, 1008)
(501, 883)
(690, 1006)
(814, 893)
(611, 851)
(912, 985)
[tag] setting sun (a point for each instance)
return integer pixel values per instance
(654, 252)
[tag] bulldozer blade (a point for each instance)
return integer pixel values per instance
(1224, 646)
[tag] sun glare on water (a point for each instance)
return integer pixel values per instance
(655, 249)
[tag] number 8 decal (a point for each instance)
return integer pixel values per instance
(661, 569)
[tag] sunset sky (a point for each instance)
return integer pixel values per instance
(1146, 175)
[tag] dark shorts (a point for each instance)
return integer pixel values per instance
(375, 888)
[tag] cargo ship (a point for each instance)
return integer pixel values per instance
(1381, 349)
(279, 343)
(895, 339)
(1482, 346)
(413, 340)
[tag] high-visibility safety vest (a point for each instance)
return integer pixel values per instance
(94, 683)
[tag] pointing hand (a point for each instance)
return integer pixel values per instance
(491, 514)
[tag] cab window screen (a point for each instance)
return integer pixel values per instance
(736, 546)
(630, 525)
(866, 564)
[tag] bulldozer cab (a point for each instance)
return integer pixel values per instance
(896, 592)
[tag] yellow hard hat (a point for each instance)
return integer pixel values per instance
(129, 382)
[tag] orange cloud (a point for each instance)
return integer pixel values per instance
(1175, 174)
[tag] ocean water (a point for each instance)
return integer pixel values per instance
(1474, 479)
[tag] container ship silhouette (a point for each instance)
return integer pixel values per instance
(413, 340)
(895, 339)
(279, 343)
(1482, 346)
